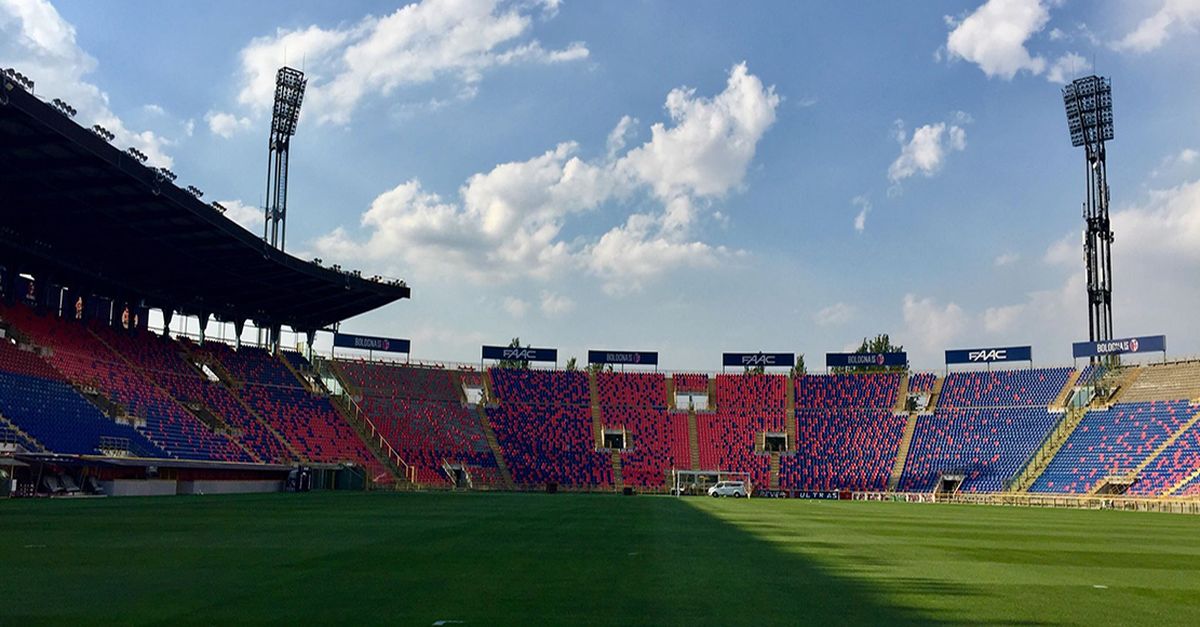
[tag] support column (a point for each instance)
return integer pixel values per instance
(203, 318)
(168, 314)
(239, 325)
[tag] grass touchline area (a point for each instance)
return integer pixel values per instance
(520, 559)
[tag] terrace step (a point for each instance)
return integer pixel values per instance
(670, 393)
(494, 444)
(153, 382)
(1162, 447)
(402, 474)
(936, 394)
(712, 394)
(1125, 378)
(910, 428)
(618, 480)
(901, 403)
(11, 426)
(693, 439)
(1186, 480)
(789, 417)
(1064, 395)
(773, 478)
(597, 420)
(1041, 458)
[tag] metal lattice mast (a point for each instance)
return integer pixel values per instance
(289, 95)
(1088, 103)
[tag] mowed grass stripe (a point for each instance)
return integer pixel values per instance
(490, 559)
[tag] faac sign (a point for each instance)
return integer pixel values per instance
(1143, 344)
(369, 343)
(785, 360)
(520, 354)
(989, 355)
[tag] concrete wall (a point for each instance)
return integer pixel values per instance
(229, 487)
(140, 487)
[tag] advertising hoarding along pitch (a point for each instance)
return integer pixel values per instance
(370, 343)
(520, 354)
(989, 355)
(639, 358)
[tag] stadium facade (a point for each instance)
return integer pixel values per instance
(92, 401)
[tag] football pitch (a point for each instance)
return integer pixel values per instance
(533, 559)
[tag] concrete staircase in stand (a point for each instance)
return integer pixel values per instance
(1053, 443)
(494, 444)
(693, 439)
(597, 421)
(910, 428)
(1064, 395)
(618, 480)
(901, 403)
(773, 481)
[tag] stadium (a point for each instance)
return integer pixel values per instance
(335, 479)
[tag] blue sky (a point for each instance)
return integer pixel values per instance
(689, 178)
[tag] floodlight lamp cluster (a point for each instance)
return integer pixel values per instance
(167, 174)
(195, 191)
(289, 96)
(64, 108)
(17, 80)
(1089, 106)
(218, 206)
(103, 132)
(137, 154)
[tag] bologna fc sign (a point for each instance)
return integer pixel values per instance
(863, 360)
(623, 357)
(369, 343)
(1143, 344)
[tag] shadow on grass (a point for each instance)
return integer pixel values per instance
(413, 559)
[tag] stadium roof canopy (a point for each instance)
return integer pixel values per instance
(82, 213)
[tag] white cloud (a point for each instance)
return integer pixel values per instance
(153, 109)
(554, 305)
(1171, 18)
(1006, 259)
(1156, 257)
(38, 42)
(930, 327)
(507, 222)
(226, 124)
(864, 207)
(625, 129)
(1176, 163)
(1067, 67)
(1001, 319)
(926, 150)
(249, 217)
(515, 307)
(835, 314)
(994, 36)
(417, 44)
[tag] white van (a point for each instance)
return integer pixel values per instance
(736, 489)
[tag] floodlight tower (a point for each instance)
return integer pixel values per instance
(1088, 102)
(289, 95)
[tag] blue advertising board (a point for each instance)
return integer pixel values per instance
(759, 359)
(520, 354)
(1143, 344)
(641, 358)
(370, 343)
(989, 355)
(861, 360)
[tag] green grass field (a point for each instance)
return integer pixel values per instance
(530, 559)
